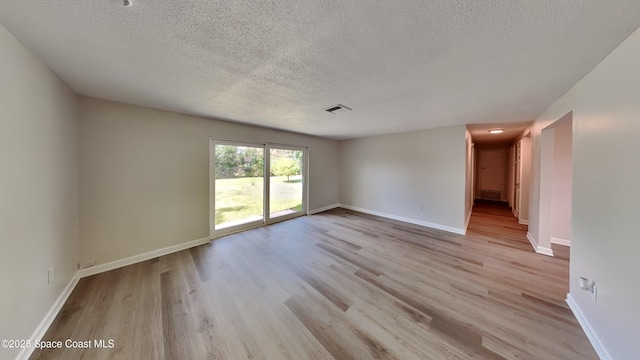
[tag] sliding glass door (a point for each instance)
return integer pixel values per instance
(286, 182)
(255, 184)
(239, 185)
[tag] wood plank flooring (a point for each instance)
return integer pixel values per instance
(336, 285)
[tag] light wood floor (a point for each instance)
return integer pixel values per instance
(341, 285)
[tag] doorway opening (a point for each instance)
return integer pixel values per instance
(556, 178)
(254, 184)
(501, 170)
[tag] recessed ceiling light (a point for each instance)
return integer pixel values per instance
(496, 131)
(126, 3)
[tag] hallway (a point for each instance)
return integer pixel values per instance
(493, 221)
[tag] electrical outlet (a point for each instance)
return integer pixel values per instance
(50, 275)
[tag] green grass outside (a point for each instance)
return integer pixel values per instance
(238, 199)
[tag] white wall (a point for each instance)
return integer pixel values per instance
(144, 176)
(38, 189)
(395, 174)
(562, 178)
(606, 173)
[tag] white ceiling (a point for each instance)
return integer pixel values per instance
(400, 65)
(481, 135)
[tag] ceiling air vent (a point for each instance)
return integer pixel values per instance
(337, 109)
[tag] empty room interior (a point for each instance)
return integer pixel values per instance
(319, 179)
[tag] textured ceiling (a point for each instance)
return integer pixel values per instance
(400, 65)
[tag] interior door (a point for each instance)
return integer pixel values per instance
(491, 175)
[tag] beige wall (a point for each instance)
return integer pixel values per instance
(144, 176)
(396, 174)
(38, 192)
(606, 173)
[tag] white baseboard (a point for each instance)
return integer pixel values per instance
(559, 241)
(324, 208)
(42, 328)
(513, 210)
(407, 220)
(598, 346)
(537, 248)
(523, 222)
(544, 251)
(141, 257)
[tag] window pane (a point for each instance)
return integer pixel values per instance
(239, 185)
(286, 181)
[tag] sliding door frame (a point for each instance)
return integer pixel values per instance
(303, 211)
(213, 232)
(266, 219)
